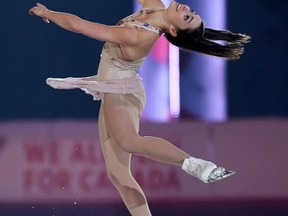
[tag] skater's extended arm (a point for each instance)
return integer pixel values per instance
(115, 34)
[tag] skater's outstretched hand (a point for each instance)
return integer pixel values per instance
(39, 10)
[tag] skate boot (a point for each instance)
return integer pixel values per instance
(206, 171)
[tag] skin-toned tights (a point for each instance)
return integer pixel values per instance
(118, 129)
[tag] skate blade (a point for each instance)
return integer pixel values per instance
(225, 174)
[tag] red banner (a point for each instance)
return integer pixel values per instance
(63, 162)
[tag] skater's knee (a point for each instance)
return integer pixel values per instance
(128, 144)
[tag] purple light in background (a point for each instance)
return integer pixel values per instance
(174, 90)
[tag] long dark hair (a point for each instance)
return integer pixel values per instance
(203, 40)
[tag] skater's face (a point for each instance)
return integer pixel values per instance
(182, 17)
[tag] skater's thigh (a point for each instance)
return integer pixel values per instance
(115, 158)
(122, 115)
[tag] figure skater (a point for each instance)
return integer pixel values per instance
(121, 91)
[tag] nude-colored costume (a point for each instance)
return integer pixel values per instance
(123, 97)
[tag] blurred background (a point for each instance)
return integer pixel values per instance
(51, 162)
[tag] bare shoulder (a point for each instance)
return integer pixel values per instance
(155, 4)
(140, 46)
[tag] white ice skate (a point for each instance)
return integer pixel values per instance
(206, 171)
